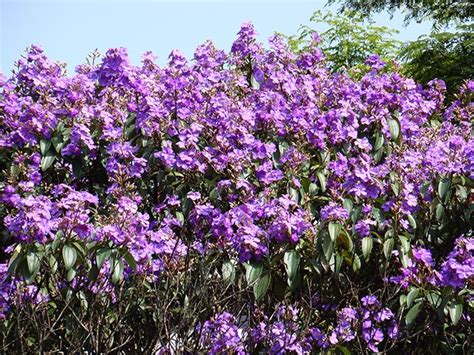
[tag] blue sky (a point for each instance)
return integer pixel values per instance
(70, 29)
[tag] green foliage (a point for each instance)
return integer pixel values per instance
(444, 55)
(348, 40)
(441, 12)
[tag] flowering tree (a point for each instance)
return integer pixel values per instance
(242, 202)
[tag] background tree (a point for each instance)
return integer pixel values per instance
(445, 55)
(349, 39)
(442, 54)
(441, 12)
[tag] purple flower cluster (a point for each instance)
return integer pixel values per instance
(222, 335)
(458, 269)
(250, 228)
(245, 155)
(284, 332)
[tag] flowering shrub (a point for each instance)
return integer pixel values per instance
(241, 202)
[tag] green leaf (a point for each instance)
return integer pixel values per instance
(356, 264)
(47, 161)
(57, 240)
(395, 188)
(93, 273)
(83, 300)
(294, 194)
(405, 243)
(58, 144)
(328, 247)
(228, 271)
(334, 230)
(129, 258)
(53, 264)
(335, 263)
(344, 350)
(214, 194)
(102, 255)
(434, 299)
(378, 215)
(33, 262)
(388, 247)
(348, 204)
(440, 214)
(25, 271)
(403, 300)
(345, 240)
(117, 270)
(404, 258)
(260, 288)
(253, 272)
(14, 170)
(394, 128)
(69, 256)
(70, 275)
(254, 83)
(77, 168)
(443, 187)
(445, 297)
(455, 312)
(322, 180)
(292, 263)
(367, 244)
(15, 260)
(313, 189)
(180, 217)
(412, 296)
(44, 146)
(462, 192)
(413, 313)
(412, 221)
(379, 140)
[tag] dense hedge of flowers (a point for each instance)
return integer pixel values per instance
(240, 202)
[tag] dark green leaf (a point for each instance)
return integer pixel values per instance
(253, 272)
(413, 313)
(394, 128)
(33, 262)
(228, 271)
(356, 263)
(405, 243)
(379, 140)
(443, 187)
(71, 274)
(455, 312)
(69, 256)
(348, 204)
(367, 244)
(53, 264)
(412, 221)
(292, 263)
(294, 194)
(44, 146)
(47, 161)
(129, 258)
(322, 180)
(328, 247)
(117, 270)
(388, 247)
(260, 288)
(412, 296)
(102, 255)
(93, 273)
(334, 230)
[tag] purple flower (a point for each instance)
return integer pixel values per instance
(334, 212)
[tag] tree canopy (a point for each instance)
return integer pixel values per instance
(441, 12)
